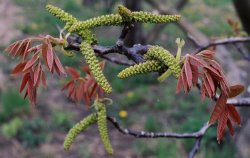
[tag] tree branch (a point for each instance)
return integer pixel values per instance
(143, 134)
(225, 41)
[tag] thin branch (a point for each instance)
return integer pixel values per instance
(225, 41)
(143, 134)
(134, 53)
(239, 102)
(195, 148)
(116, 61)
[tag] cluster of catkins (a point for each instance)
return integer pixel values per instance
(155, 56)
(155, 60)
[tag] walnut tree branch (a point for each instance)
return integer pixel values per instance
(224, 41)
(134, 53)
(143, 134)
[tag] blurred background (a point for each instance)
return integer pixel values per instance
(140, 102)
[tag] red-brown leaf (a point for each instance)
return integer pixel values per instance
(50, 57)
(184, 82)
(86, 70)
(59, 65)
(18, 68)
(207, 54)
(195, 74)
(222, 122)
(27, 47)
(218, 109)
(196, 62)
(37, 72)
(211, 83)
(30, 63)
(24, 81)
(79, 91)
(207, 87)
(21, 47)
(73, 72)
(44, 53)
(233, 113)
(230, 127)
(235, 90)
(188, 73)
(93, 90)
(67, 85)
(179, 84)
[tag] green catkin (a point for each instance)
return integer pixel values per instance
(145, 67)
(102, 126)
(147, 17)
(78, 128)
(94, 66)
(161, 54)
(125, 13)
(104, 20)
(62, 15)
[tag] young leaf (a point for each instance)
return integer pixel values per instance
(218, 109)
(74, 74)
(19, 68)
(50, 57)
(235, 90)
(30, 63)
(222, 122)
(234, 114)
(230, 127)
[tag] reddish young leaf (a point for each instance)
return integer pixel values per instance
(234, 114)
(79, 91)
(93, 90)
(37, 71)
(59, 65)
(68, 84)
(207, 54)
(14, 48)
(235, 90)
(50, 57)
(184, 81)
(20, 48)
(218, 109)
(195, 74)
(73, 72)
(30, 63)
(230, 127)
(208, 90)
(210, 83)
(86, 70)
(44, 53)
(222, 122)
(193, 60)
(24, 81)
(18, 68)
(179, 84)
(25, 51)
(188, 73)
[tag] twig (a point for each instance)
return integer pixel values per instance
(134, 53)
(239, 102)
(195, 148)
(143, 134)
(225, 41)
